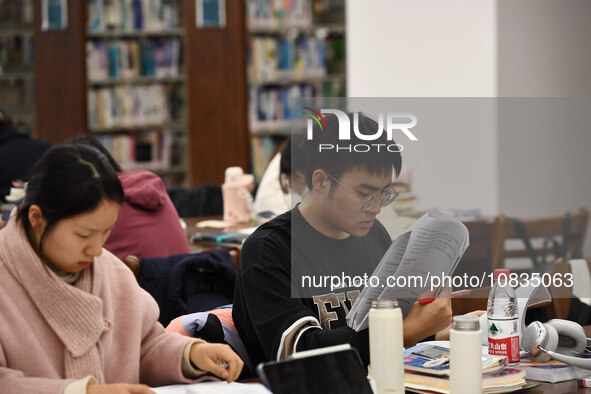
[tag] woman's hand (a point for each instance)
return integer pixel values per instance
(118, 389)
(443, 335)
(218, 359)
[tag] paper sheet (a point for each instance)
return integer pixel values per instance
(432, 246)
(213, 388)
(213, 224)
(248, 230)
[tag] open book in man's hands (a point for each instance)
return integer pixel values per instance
(419, 259)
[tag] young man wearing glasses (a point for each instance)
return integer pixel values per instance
(286, 297)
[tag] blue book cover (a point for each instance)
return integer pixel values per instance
(416, 357)
(113, 55)
(138, 18)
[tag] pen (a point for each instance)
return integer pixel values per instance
(428, 300)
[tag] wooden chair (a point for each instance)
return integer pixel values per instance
(538, 230)
(561, 295)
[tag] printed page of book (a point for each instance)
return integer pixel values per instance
(432, 246)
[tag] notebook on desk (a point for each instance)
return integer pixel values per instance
(223, 236)
(213, 388)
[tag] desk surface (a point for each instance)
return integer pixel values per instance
(202, 246)
(474, 303)
(192, 225)
(546, 388)
(560, 388)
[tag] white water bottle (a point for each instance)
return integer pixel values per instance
(386, 350)
(503, 318)
(465, 355)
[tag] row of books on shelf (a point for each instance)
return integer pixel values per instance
(16, 11)
(130, 15)
(273, 57)
(271, 14)
(133, 58)
(126, 106)
(150, 150)
(273, 108)
(276, 103)
(16, 53)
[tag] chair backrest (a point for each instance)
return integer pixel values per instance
(538, 230)
(200, 200)
(188, 283)
(561, 295)
(571, 290)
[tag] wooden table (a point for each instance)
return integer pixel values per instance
(570, 386)
(545, 388)
(459, 305)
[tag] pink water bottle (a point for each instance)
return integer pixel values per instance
(236, 192)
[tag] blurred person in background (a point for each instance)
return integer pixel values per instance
(18, 153)
(148, 224)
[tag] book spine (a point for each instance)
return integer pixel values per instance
(138, 17)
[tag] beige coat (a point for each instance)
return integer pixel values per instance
(52, 333)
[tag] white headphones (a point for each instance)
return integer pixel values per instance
(561, 340)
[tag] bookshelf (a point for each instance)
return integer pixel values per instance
(17, 56)
(295, 49)
(136, 84)
(209, 106)
(160, 93)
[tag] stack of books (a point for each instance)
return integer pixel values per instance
(418, 378)
(552, 371)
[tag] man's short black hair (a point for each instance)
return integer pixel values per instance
(377, 160)
(293, 155)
